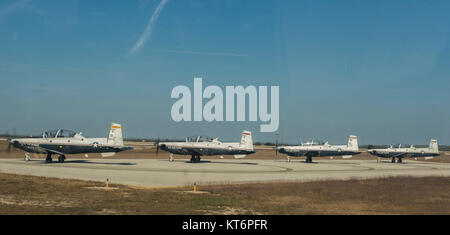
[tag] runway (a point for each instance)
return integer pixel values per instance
(162, 173)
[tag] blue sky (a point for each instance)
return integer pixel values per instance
(377, 69)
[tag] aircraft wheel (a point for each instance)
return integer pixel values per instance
(61, 158)
(49, 158)
(399, 160)
(393, 160)
(195, 159)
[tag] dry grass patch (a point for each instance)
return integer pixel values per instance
(401, 195)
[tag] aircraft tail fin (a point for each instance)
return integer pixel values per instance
(115, 135)
(246, 140)
(353, 142)
(434, 146)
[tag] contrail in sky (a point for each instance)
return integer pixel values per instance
(199, 53)
(149, 29)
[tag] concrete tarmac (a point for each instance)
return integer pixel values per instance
(162, 173)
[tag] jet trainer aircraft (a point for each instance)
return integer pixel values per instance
(311, 149)
(205, 146)
(61, 142)
(402, 151)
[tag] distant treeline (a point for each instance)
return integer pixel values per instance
(8, 136)
(444, 148)
(153, 140)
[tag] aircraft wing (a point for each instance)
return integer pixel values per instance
(123, 149)
(118, 149)
(51, 150)
(400, 155)
(312, 153)
(192, 151)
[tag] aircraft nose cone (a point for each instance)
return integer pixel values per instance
(12, 141)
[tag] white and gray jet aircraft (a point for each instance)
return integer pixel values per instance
(61, 142)
(205, 146)
(312, 149)
(402, 151)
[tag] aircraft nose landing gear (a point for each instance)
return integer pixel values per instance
(49, 158)
(27, 157)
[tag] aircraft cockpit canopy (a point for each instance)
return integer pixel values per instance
(402, 146)
(199, 139)
(60, 133)
(312, 143)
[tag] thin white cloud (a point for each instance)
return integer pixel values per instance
(149, 29)
(52, 90)
(28, 67)
(199, 53)
(15, 6)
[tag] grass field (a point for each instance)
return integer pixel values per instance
(404, 195)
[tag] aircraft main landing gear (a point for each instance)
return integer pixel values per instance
(61, 158)
(195, 158)
(308, 159)
(393, 160)
(48, 159)
(399, 160)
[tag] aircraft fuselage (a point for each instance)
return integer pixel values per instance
(314, 152)
(403, 153)
(65, 145)
(199, 150)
